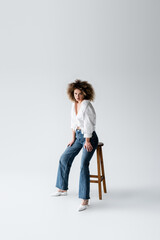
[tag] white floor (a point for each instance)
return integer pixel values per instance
(28, 212)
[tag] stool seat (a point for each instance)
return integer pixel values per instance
(101, 173)
(100, 144)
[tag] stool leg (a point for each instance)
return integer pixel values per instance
(103, 174)
(99, 174)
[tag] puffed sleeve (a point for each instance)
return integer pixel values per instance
(89, 121)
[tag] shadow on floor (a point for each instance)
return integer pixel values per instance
(128, 199)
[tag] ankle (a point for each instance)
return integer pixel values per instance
(84, 201)
(60, 190)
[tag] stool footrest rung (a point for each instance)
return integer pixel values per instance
(96, 176)
(93, 181)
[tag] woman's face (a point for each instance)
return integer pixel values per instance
(78, 95)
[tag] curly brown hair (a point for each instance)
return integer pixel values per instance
(85, 87)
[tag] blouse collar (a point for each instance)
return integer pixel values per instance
(83, 106)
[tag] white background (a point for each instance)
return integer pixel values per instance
(114, 45)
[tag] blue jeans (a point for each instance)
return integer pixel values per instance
(67, 158)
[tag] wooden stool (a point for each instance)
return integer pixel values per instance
(100, 168)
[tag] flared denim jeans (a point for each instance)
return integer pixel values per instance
(67, 158)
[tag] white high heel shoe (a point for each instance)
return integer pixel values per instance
(57, 194)
(83, 207)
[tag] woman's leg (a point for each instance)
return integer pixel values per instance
(65, 163)
(84, 181)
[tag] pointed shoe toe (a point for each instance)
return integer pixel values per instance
(82, 207)
(57, 194)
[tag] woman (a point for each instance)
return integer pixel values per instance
(83, 121)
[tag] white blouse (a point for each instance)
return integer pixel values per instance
(85, 119)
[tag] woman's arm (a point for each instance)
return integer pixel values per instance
(89, 124)
(73, 138)
(89, 121)
(73, 134)
(88, 145)
(87, 139)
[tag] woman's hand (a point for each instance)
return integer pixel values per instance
(88, 146)
(70, 143)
